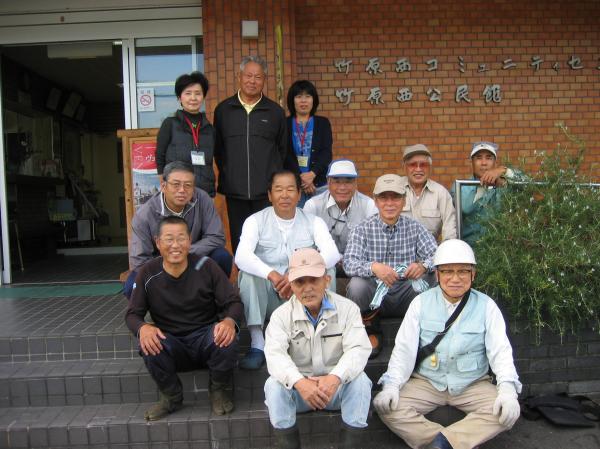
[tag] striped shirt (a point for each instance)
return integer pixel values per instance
(403, 243)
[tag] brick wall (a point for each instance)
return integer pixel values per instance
(482, 32)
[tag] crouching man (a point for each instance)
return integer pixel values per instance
(450, 336)
(316, 350)
(195, 312)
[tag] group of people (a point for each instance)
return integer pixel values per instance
(317, 343)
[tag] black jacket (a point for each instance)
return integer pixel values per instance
(248, 147)
(175, 143)
(320, 152)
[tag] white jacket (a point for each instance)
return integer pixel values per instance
(338, 345)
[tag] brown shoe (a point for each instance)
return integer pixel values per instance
(376, 344)
(221, 397)
(166, 404)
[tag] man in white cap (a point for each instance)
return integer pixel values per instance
(427, 201)
(342, 206)
(316, 350)
(477, 201)
(450, 337)
(390, 258)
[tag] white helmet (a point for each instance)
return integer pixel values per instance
(454, 251)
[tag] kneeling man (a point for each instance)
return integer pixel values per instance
(316, 350)
(195, 315)
(451, 335)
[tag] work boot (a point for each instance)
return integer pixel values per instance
(221, 396)
(372, 323)
(439, 442)
(350, 437)
(287, 438)
(167, 403)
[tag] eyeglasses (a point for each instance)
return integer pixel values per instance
(462, 274)
(176, 185)
(169, 241)
(421, 164)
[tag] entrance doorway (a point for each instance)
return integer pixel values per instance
(61, 106)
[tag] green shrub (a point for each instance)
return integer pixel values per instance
(540, 255)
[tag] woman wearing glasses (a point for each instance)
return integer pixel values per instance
(188, 136)
(310, 139)
(427, 201)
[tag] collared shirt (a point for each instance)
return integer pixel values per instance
(403, 243)
(247, 106)
(325, 305)
(404, 354)
(341, 222)
(433, 208)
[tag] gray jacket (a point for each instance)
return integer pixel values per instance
(206, 228)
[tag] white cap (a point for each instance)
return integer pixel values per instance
(487, 146)
(342, 168)
(454, 251)
(389, 183)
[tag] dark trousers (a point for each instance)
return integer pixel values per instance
(238, 211)
(219, 255)
(187, 353)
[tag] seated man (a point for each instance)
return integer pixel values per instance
(269, 238)
(477, 201)
(390, 248)
(428, 369)
(427, 201)
(342, 207)
(195, 312)
(178, 197)
(317, 350)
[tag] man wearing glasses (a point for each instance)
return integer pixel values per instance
(449, 339)
(196, 314)
(427, 201)
(178, 197)
(342, 206)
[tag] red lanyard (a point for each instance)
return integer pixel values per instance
(302, 136)
(195, 130)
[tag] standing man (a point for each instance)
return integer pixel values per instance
(342, 207)
(388, 256)
(269, 238)
(178, 197)
(251, 144)
(426, 371)
(479, 201)
(195, 313)
(427, 201)
(317, 350)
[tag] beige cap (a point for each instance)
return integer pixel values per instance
(306, 262)
(389, 183)
(415, 149)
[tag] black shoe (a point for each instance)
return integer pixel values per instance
(287, 438)
(351, 437)
(439, 442)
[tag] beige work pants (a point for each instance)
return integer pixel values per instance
(418, 397)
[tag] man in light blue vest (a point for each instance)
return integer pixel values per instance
(269, 238)
(455, 370)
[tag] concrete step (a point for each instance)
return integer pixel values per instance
(123, 426)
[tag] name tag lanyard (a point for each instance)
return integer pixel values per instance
(195, 131)
(301, 136)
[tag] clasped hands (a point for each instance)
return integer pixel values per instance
(317, 391)
(281, 284)
(388, 275)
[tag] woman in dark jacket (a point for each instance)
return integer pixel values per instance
(310, 139)
(188, 136)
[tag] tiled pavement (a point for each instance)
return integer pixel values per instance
(70, 378)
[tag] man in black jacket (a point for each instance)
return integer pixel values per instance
(251, 144)
(195, 314)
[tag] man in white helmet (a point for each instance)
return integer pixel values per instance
(425, 372)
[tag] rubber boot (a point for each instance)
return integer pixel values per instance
(287, 438)
(168, 402)
(351, 437)
(221, 394)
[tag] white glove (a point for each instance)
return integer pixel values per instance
(387, 399)
(507, 401)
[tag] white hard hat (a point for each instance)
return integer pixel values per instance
(454, 251)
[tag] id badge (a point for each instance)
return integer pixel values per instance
(303, 161)
(198, 158)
